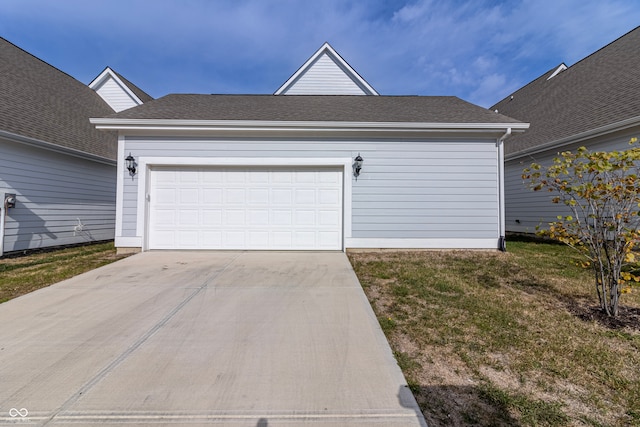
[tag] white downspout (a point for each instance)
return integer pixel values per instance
(3, 213)
(502, 243)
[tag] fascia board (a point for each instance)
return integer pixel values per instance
(329, 126)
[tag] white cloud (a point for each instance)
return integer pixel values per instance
(478, 50)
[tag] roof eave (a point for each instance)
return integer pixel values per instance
(576, 138)
(55, 147)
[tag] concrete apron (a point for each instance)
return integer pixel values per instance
(202, 338)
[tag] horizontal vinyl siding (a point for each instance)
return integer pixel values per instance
(61, 200)
(115, 96)
(325, 77)
(407, 189)
(526, 209)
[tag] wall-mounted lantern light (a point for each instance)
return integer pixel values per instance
(357, 166)
(131, 165)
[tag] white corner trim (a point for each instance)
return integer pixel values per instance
(128, 242)
(120, 185)
(146, 163)
(374, 243)
(326, 48)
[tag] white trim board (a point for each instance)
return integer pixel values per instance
(374, 243)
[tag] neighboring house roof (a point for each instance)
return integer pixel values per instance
(117, 91)
(597, 94)
(326, 73)
(44, 104)
(313, 108)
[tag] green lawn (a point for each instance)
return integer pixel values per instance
(24, 274)
(487, 338)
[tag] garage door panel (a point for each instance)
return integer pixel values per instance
(245, 208)
(189, 196)
(258, 196)
(259, 217)
(213, 238)
(235, 195)
(234, 217)
(212, 196)
(212, 217)
(281, 177)
(328, 239)
(166, 195)
(328, 218)
(305, 196)
(188, 217)
(281, 196)
(328, 196)
(305, 217)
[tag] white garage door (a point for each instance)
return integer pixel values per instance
(246, 208)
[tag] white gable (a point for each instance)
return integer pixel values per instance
(326, 73)
(114, 92)
(558, 70)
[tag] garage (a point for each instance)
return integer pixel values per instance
(246, 208)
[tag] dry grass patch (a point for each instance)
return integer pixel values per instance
(507, 339)
(23, 274)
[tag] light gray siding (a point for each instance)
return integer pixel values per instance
(526, 209)
(325, 77)
(61, 199)
(408, 189)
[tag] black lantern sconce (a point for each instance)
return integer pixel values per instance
(131, 165)
(357, 166)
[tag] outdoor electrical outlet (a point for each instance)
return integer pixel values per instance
(10, 200)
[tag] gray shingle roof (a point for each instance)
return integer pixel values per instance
(419, 109)
(39, 101)
(601, 89)
(144, 96)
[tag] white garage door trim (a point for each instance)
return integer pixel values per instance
(145, 164)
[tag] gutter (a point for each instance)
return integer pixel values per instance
(270, 125)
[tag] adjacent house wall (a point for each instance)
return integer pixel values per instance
(61, 199)
(427, 191)
(526, 209)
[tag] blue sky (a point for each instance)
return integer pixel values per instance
(478, 50)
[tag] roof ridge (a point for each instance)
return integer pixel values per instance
(604, 47)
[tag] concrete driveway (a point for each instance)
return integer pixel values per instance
(258, 339)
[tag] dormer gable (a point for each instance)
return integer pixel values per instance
(326, 73)
(558, 70)
(116, 91)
